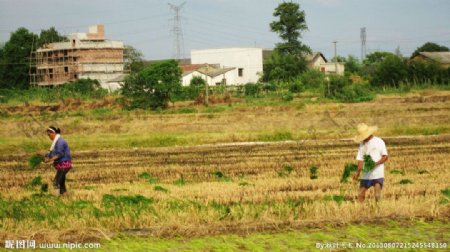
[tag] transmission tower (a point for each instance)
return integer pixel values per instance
(363, 43)
(177, 31)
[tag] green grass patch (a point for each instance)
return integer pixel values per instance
(148, 177)
(275, 136)
(186, 110)
(336, 198)
(220, 176)
(423, 172)
(397, 172)
(180, 182)
(36, 181)
(286, 170)
(160, 189)
(446, 192)
(405, 182)
(305, 239)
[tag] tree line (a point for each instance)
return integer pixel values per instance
(156, 85)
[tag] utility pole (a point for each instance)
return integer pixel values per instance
(177, 31)
(335, 57)
(206, 85)
(363, 43)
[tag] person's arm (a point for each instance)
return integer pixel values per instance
(358, 172)
(55, 157)
(58, 152)
(383, 159)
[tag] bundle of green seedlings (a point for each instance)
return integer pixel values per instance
(35, 160)
(369, 164)
(313, 172)
(348, 170)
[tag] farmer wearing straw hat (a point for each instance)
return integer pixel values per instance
(60, 155)
(376, 149)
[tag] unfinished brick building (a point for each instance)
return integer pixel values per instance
(85, 55)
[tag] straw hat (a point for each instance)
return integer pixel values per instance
(364, 131)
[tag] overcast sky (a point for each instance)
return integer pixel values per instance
(146, 25)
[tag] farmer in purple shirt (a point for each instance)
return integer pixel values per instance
(60, 155)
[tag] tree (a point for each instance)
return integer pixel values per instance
(196, 85)
(352, 65)
(154, 86)
(283, 67)
(390, 72)
(430, 47)
(133, 59)
(288, 59)
(15, 59)
(339, 59)
(50, 35)
(376, 57)
(290, 24)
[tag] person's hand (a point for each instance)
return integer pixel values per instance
(47, 160)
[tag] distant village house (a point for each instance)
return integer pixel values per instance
(85, 55)
(442, 58)
(237, 66)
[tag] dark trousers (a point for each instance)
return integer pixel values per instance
(60, 180)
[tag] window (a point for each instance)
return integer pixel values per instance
(66, 69)
(241, 72)
(50, 73)
(73, 43)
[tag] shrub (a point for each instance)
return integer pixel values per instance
(296, 86)
(341, 89)
(269, 87)
(252, 90)
(312, 79)
(154, 86)
(287, 96)
(196, 86)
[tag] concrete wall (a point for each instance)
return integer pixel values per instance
(249, 60)
(212, 81)
(330, 68)
(317, 62)
(106, 68)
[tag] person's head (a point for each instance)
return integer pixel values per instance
(365, 132)
(52, 131)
